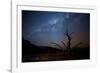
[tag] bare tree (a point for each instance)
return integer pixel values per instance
(68, 34)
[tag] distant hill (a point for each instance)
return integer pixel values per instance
(34, 53)
(29, 49)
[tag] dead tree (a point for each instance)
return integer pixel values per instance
(67, 34)
(68, 45)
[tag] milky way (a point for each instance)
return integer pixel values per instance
(43, 28)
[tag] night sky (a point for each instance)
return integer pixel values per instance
(43, 28)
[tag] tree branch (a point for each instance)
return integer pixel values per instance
(64, 44)
(57, 45)
(77, 44)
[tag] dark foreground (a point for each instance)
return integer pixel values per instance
(33, 53)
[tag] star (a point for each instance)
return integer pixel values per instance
(67, 16)
(53, 22)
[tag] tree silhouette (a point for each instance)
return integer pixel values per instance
(68, 35)
(67, 46)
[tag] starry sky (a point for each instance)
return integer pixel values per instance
(43, 28)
